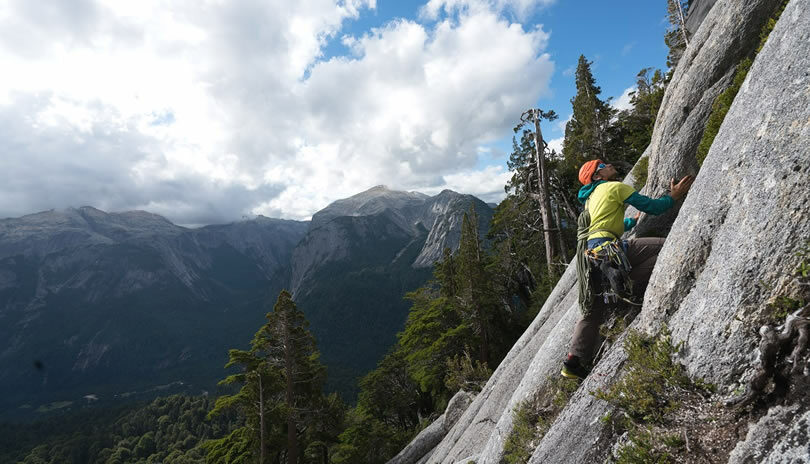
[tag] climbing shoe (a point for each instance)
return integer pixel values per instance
(572, 369)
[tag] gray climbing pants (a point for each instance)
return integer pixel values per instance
(642, 254)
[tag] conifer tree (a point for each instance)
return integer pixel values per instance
(433, 332)
(632, 130)
(290, 348)
(281, 381)
(476, 302)
(586, 134)
(256, 401)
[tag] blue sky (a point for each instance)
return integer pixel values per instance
(207, 112)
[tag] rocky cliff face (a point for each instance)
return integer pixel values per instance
(731, 250)
(404, 217)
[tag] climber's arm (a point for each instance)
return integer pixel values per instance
(649, 205)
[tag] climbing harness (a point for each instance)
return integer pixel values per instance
(611, 261)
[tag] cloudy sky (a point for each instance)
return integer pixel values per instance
(207, 111)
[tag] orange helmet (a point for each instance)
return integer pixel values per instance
(587, 171)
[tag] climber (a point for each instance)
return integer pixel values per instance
(606, 199)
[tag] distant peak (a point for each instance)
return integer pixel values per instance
(379, 187)
(446, 192)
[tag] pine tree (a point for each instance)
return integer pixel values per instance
(586, 134)
(632, 130)
(433, 332)
(476, 299)
(280, 380)
(290, 348)
(256, 402)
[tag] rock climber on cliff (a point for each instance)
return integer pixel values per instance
(605, 200)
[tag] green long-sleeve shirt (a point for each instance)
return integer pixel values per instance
(607, 202)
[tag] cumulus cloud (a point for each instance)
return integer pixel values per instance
(520, 8)
(108, 163)
(623, 101)
(207, 111)
(556, 144)
(488, 183)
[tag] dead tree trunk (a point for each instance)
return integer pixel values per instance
(563, 250)
(543, 191)
(683, 23)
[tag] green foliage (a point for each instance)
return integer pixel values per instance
(640, 171)
(803, 268)
(643, 447)
(434, 332)
(646, 395)
(280, 382)
(586, 132)
(169, 429)
(464, 373)
(238, 447)
(631, 131)
(770, 24)
(534, 416)
(650, 373)
(476, 303)
(369, 441)
(390, 395)
(781, 307)
(720, 108)
(723, 101)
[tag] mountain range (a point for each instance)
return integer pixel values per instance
(100, 305)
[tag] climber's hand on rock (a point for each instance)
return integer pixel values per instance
(678, 191)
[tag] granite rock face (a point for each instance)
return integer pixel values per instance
(730, 250)
(729, 32)
(698, 9)
(427, 439)
(783, 435)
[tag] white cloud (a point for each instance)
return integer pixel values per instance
(623, 101)
(206, 111)
(487, 183)
(556, 144)
(520, 8)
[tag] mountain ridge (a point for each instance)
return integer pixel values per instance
(130, 293)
